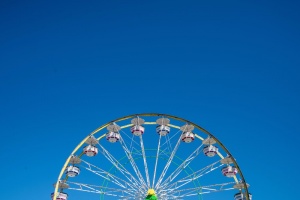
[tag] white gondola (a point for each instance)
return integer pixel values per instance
(60, 196)
(229, 171)
(210, 150)
(72, 171)
(240, 196)
(163, 130)
(112, 137)
(90, 150)
(187, 137)
(137, 130)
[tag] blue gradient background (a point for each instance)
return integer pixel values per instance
(67, 67)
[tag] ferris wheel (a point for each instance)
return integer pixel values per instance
(150, 154)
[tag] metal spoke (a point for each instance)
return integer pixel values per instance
(192, 177)
(156, 161)
(203, 189)
(99, 189)
(109, 191)
(145, 161)
(108, 176)
(213, 187)
(168, 139)
(168, 163)
(134, 151)
(131, 139)
(181, 167)
(132, 162)
(165, 152)
(120, 167)
(166, 196)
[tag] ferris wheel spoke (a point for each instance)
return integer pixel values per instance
(156, 161)
(131, 138)
(132, 162)
(136, 196)
(168, 139)
(145, 161)
(99, 189)
(191, 177)
(182, 166)
(203, 189)
(168, 196)
(108, 176)
(120, 167)
(165, 152)
(168, 163)
(136, 152)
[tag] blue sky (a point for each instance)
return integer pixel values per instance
(229, 66)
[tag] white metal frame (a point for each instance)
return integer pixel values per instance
(132, 186)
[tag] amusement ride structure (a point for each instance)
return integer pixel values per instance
(150, 156)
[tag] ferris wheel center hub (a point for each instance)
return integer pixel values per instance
(151, 192)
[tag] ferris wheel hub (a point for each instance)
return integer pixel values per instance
(151, 192)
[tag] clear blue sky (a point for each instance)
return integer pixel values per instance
(68, 67)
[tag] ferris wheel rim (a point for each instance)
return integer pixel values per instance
(245, 186)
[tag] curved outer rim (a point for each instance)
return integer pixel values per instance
(151, 115)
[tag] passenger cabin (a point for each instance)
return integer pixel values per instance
(163, 130)
(72, 171)
(187, 137)
(137, 130)
(90, 150)
(112, 136)
(210, 150)
(229, 171)
(60, 196)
